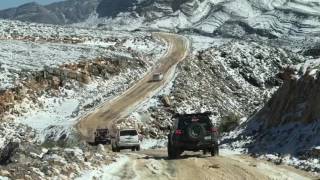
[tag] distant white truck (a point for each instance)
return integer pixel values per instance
(126, 139)
(157, 77)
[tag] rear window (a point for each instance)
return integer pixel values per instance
(185, 121)
(102, 131)
(128, 133)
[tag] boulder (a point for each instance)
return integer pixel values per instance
(7, 152)
(5, 173)
(166, 101)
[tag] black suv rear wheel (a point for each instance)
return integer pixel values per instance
(215, 151)
(172, 152)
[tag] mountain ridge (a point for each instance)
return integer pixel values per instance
(64, 12)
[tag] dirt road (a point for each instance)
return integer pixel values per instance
(154, 165)
(123, 105)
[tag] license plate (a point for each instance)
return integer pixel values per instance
(207, 138)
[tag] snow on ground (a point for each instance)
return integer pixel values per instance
(63, 111)
(200, 43)
(291, 144)
(11, 29)
(27, 47)
(17, 55)
(109, 172)
(225, 151)
(123, 21)
(6, 78)
(153, 143)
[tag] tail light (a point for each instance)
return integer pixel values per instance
(214, 130)
(179, 132)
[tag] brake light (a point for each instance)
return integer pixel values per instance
(214, 130)
(179, 132)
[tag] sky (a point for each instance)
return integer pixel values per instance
(4, 4)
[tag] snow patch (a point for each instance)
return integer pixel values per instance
(153, 143)
(106, 172)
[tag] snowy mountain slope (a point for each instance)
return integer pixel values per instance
(235, 71)
(66, 12)
(31, 47)
(272, 19)
(287, 127)
(267, 18)
(40, 66)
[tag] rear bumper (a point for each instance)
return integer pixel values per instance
(102, 140)
(128, 145)
(195, 146)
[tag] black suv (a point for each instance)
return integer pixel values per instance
(102, 136)
(192, 132)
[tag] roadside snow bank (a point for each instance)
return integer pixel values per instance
(106, 172)
(153, 143)
(293, 144)
(4, 178)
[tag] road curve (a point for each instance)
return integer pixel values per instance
(122, 106)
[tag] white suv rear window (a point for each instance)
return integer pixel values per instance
(128, 133)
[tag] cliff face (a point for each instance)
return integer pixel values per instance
(289, 124)
(297, 100)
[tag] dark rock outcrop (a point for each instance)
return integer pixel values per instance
(111, 8)
(7, 152)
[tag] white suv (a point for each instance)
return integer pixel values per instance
(126, 139)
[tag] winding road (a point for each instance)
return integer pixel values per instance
(122, 106)
(153, 164)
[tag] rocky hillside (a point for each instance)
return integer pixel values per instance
(296, 101)
(235, 18)
(234, 79)
(288, 125)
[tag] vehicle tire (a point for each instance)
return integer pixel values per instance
(118, 149)
(171, 152)
(196, 131)
(133, 148)
(138, 148)
(215, 151)
(113, 149)
(204, 152)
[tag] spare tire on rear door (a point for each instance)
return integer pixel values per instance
(196, 131)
